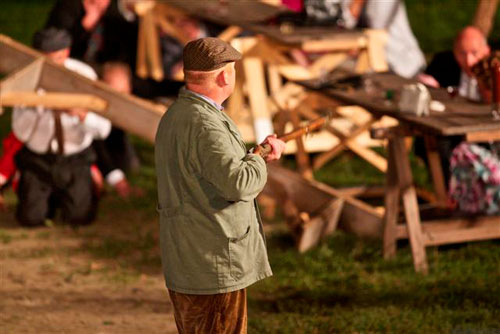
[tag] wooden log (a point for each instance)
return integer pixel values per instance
(54, 100)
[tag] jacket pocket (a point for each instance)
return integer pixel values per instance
(240, 261)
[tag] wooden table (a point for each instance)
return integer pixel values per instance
(471, 120)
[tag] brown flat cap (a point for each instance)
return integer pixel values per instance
(208, 54)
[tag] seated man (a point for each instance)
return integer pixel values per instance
(56, 158)
(454, 68)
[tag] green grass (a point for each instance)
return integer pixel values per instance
(344, 286)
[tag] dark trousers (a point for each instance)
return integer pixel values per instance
(50, 181)
(115, 152)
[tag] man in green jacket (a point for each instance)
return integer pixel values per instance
(211, 236)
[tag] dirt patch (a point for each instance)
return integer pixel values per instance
(99, 279)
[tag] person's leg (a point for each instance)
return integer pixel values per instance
(224, 313)
(33, 194)
(78, 200)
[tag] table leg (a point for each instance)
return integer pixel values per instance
(409, 196)
(436, 170)
(391, 206)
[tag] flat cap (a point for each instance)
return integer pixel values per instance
(51, 39)
(208, 54)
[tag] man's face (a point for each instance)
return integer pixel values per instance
(469, 50)
(118, 80)
(59, 56)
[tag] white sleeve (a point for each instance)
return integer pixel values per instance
(98, 126)
(24, 121)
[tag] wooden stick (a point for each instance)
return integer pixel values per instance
(266, 148)
(54, 100)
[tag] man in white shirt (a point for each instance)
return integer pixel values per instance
(56, 158)
(402, 50)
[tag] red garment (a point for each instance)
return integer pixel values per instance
(295, 5)
(11, 145)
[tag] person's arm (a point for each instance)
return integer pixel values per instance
(98, 126)
(237, 178)
(351, 11)
(24, 122)
(11, 145)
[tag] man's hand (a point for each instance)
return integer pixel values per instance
(277, 147)
(94, 10)
(81, 113)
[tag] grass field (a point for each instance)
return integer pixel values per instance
(106, 278)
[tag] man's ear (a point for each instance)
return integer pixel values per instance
(223, 78)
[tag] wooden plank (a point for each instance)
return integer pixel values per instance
(153, 52)
(331, 216)
(141, 62)
(342, 43)
(130, 113)
(483, 136)
(433, 227)
(409, 198)
(54, 100)
(377, 40)
(15, 55)
(25, 79)
(256, 88)
(229, 33)
(469, 234)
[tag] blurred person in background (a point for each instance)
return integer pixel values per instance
(55, 161)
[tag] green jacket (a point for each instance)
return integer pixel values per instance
(211, 233)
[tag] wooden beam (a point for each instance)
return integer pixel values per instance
(434, 230)
(483, 136)
(135, 115)
(229, 33)
(25, 79)
(54, 100)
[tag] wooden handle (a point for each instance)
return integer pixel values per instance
(265, 149)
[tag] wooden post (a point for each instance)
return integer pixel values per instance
(485, 14)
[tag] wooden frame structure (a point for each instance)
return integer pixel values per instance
(260, 93)
(27, 70)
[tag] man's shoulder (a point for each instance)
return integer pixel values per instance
(80, 68)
